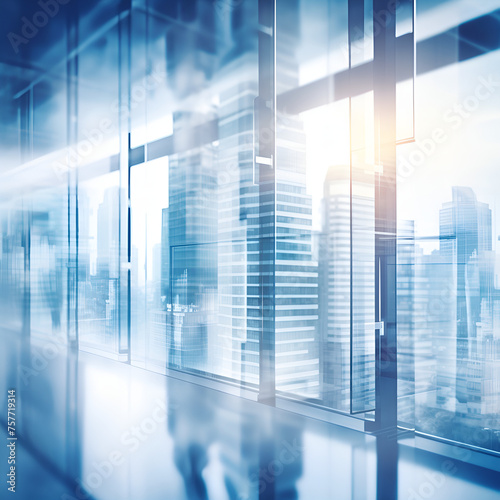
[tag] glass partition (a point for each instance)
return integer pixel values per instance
(209, 188)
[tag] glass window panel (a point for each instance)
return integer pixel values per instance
(362, 31)
(48, 257)
(195, 309)
(149, 272)
(313, 279)
(318, 31)
(12, 263)
(447, 251)
(363, 175)
(14, 79)
(99, 263)
(49, 111)
(404, 17)
(404, 110)
(99, 106)
(152, 102)
(324, 286)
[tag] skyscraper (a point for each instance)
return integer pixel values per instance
(248, 215)
(406, 258)
(192, 248)
(465, 234)
(296, 272)
(296, 324)
(238, 230)
(165, 258)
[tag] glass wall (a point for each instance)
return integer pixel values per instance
(325, 202)
(448, 309)
(195, 227)
(204, 187)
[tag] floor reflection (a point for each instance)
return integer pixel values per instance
(94, 428)
(259, 448)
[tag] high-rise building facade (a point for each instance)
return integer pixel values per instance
(465, 236)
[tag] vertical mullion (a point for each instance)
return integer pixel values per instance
(385, 213)
(385, 248)
(266, 127)
(73, 462)
(124, 212)
(72, 177)
(25, 103)
(413, 19)
(356, 30)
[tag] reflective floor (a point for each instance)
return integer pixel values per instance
(89, 427)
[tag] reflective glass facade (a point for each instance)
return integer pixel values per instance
(297, 198)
